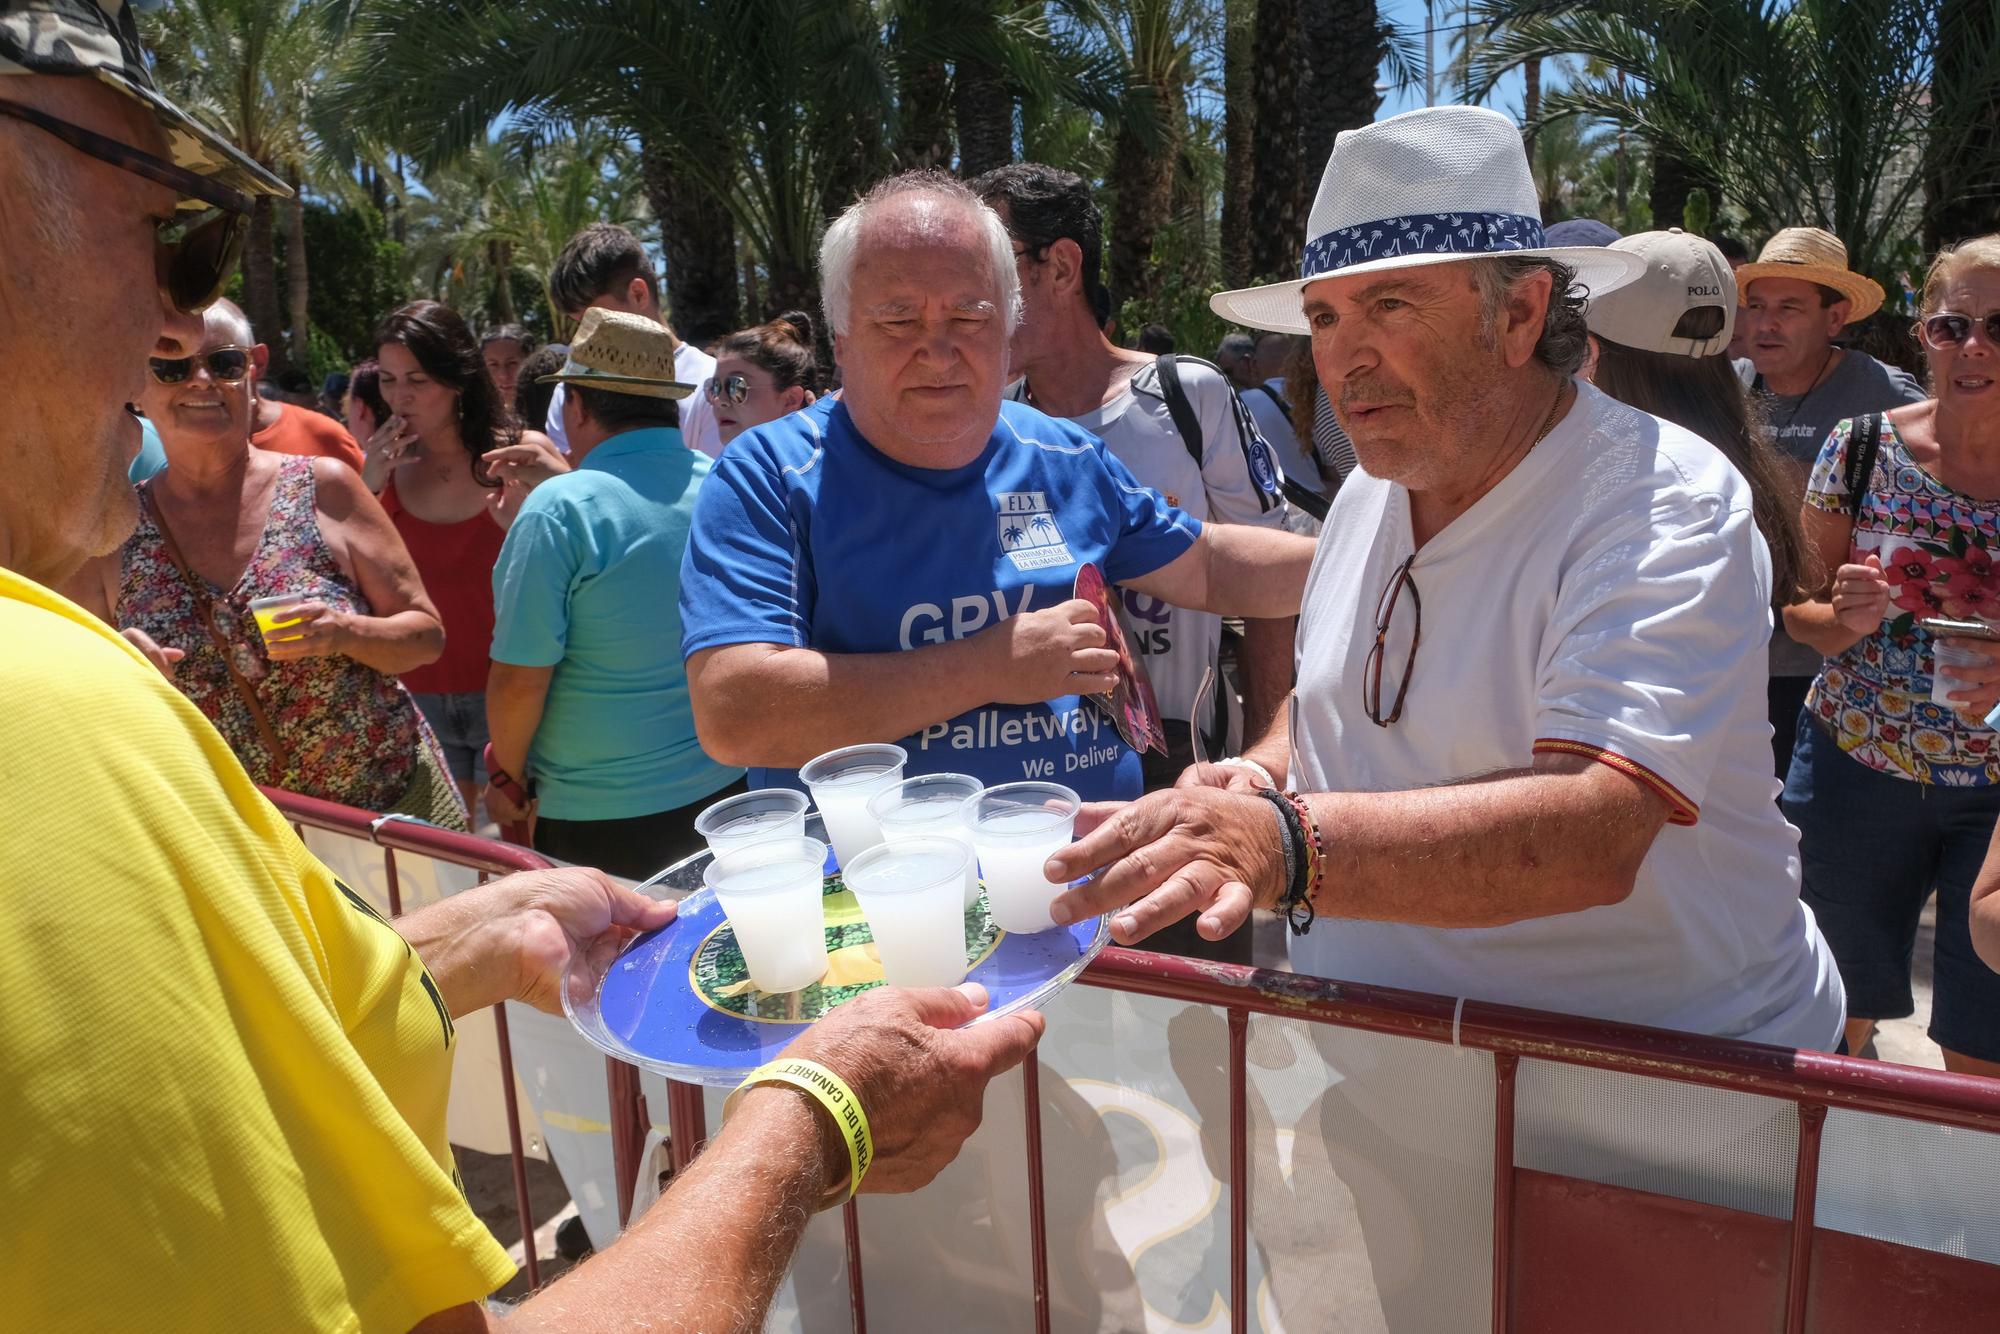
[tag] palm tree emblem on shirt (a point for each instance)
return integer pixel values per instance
(1013, 535)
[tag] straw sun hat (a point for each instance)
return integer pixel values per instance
(1425, 187)
(626, 354)
(1814, 256)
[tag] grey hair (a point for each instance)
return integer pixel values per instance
(842, 243)
(232, 314)
(1565, 337)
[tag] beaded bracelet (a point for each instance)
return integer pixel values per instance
(1299, 911)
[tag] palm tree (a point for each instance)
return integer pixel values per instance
(253, 68)
(1278, 208)
(1813, 111)
(1963, 202)
(1239, 31)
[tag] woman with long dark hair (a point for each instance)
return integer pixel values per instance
(1661, 345)
(437, 465)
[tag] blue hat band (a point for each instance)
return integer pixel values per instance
(1420, 234)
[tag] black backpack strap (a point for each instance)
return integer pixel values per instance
(1178, 407)
(1312, 502)
(1864, 438)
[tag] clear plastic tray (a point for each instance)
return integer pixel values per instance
(678, 1001)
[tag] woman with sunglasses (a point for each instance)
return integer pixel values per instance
(451, 463)
(764, 373)
(1895, 787)
(304, 689)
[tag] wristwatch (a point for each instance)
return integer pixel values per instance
(510, 787)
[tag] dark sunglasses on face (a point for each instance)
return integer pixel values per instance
(198, 247)
(228, 365)
(733, 388)
(1948, 331)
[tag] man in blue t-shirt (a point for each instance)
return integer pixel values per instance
(587, 698)
(899, 564)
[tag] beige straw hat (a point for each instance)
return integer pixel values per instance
(1813, 255)
(626, 354)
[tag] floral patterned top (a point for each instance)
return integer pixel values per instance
(1937, 548)
(353, 732)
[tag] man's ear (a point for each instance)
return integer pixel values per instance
(260, 360)
(1524, 312)
(1837, 316)
(1065, 260)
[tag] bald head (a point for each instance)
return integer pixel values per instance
(226, 324)
(918, 210)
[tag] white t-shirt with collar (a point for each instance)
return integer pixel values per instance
(699, 429)
(1610, 597)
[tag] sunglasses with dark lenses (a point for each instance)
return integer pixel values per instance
(733, 388)
(1948, 331)
(228, 365)
(197, 247)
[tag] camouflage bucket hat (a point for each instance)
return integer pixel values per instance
(99, 37)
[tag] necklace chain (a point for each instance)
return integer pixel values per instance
(1793, 415)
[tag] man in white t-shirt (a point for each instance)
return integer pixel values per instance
(605, 267)
(1529, 720)
(1174, 421)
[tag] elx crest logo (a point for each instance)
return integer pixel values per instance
(1029, 534)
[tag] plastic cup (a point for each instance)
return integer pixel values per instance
(843, 782)
(1016, 827)
(266, 611)
(771, 893)
(753, 817)
(1944, 657)
(927, 807)
(909, 890)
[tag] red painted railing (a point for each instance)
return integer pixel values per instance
(1814, 1083)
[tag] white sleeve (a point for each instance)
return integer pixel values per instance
(1644, 661)
(1238, 469)
(699, 429)
(553, 427)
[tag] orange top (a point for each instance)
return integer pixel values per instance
(312, 434)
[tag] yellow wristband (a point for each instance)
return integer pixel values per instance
(832, 1093)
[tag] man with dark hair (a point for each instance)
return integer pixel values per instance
(603, 267)
(1236, 354)
(1174, 421)
(587, 701)
(1797, 298)
(1155, 338)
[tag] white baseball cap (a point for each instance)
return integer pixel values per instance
(1683, 273)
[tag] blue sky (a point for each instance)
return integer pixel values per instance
(1409, 15)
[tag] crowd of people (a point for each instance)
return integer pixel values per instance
(1650, 502)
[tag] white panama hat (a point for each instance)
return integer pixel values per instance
(1425, 187)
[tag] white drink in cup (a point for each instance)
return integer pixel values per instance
(933, 805)
(1945, 657)
(910, 891)
(1016, 827)
(843, 782)
(753, 817)
(771, 893)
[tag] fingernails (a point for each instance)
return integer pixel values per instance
(1125, 924)
(1059, 913)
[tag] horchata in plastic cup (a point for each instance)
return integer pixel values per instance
(753, 817)
(842, 783)
(933, 805)
(771, 894)
(910, 891)
(1016, 827)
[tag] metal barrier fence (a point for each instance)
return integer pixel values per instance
(1632, 1178)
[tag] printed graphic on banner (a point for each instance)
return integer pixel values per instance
(1029, 533)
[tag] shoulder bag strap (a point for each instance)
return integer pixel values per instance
(1864, 438)
(204, 606)
(1178, 406)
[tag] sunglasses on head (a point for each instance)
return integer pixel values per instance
(1948, 331)
(733, 388)
(197, 248)
(229, 365)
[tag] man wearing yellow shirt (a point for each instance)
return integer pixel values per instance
(222, 1076)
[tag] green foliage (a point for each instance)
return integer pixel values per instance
(1697, 215)
(357, 278)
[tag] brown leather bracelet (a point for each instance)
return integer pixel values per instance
(510, 787)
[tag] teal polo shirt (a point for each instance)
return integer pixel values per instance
(588, 582)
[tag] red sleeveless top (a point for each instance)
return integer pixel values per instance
(456, 562)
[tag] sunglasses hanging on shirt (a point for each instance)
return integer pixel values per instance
(226, 365)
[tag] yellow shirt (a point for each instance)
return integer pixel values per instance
(222, 1076)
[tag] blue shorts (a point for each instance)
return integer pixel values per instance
(1874, 847)
(460, 723)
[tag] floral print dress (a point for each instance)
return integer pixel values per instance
(353, 732)
(1937, 548)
